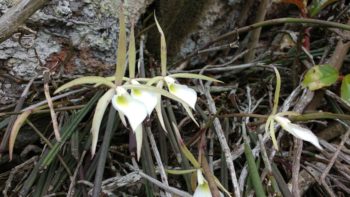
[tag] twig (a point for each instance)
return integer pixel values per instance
(277, 21)
(54, 98)
(304, 100)
(120, 181)
(66, 108)
(221, 69)
(72, 179)
(338, 99)
(158, 159)
(298, 148)
(268, 165)
(15, 170)
(50, 104)
(223, 142)
(11, 21)
(5, 137)
(172, 190)
(340, 51)
(335, 155)
(255, 34)
(206, 169)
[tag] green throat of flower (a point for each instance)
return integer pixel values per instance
(122, 100)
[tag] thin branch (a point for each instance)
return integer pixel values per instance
(12, 20)
(5, 137)
(255, 34)
(277, 21)
(172, 190)
(50, 104)
(223, 142)
(335, 155)
(158, 159)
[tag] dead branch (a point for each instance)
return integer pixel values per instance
(15, 17)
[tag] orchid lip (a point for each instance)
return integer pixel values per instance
(134, 110)
(149, 99)
(298, 131)
(188, 95)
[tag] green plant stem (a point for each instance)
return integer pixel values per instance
(277, 92)
(121, 51)
(319, 115)
(104, 150)
(132, 53)
(44, 110)
(277, 21)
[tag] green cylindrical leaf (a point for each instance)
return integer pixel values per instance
(345, 88)
(253, 172)
(121, 51)
(86, 80)
(163, 50)
(132, 53)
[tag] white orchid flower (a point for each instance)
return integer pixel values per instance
(182, 91)
(149, 99)
(134, 110)
(298, 131)
(202, 189)
(138, 135)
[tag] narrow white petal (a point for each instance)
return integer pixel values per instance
(159, 106)
(138, 134)
(133, 109)
(298, 131)
(185, 93)
(101, 107)
(200, 178)
(122, 118)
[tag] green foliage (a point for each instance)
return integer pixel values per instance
(253, 171)
(69, 128)
(318, 5)
(320, 76)
(345, 88)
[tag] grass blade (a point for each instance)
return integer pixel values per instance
(69, 128)
(253, 171)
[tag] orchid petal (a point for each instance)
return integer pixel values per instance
(200, 178)
(202, 189)
(159, 107)
(298, 131)
(138, 134)
(133, 109)
(101, 107)
(182, 91)
(149, 99)
(122, 118)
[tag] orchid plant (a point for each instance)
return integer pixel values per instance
(136, 98)
(294, 129)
